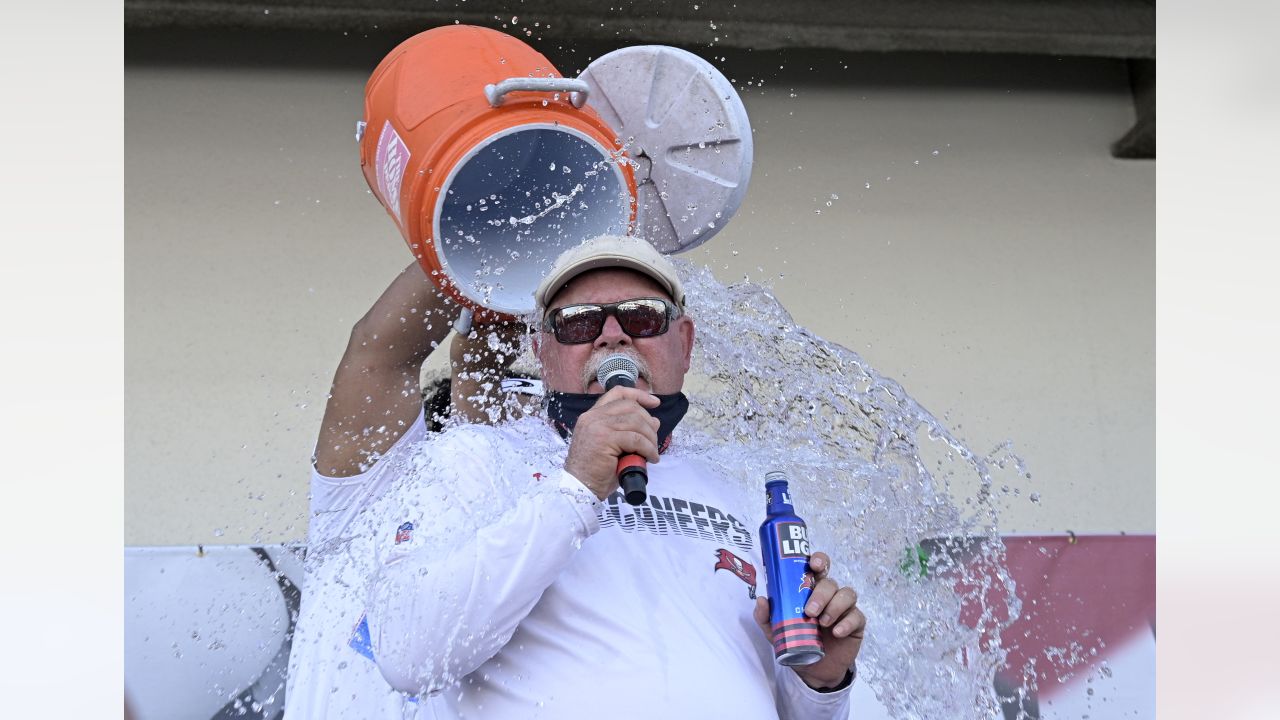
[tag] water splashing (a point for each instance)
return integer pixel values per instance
(556, 202)
(853, 442)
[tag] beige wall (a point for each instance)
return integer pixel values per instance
(1007, 280)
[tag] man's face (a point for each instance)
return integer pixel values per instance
(666, 356)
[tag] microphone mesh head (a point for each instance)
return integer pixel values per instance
(617, 365)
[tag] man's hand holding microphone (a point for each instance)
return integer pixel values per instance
(617, 426)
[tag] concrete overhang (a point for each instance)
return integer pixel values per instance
(1123, 29)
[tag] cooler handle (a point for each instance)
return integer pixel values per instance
(463, 323)
(577, 89)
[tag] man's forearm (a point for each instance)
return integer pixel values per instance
(405, 324)
(437, 609)
(376, 392)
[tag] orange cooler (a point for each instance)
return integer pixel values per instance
(490, 163)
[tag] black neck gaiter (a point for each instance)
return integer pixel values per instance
(563, 410)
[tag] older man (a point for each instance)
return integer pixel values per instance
(514, 582)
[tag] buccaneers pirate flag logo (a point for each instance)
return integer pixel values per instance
(806, 581)
(726, 560)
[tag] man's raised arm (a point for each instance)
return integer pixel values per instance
(376, 393)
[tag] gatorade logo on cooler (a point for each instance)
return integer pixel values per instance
(793, 540)
(391, 160)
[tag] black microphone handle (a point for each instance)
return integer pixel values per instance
(634, 482)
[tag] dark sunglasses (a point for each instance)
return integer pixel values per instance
(639, 318)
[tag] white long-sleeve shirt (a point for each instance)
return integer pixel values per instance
(332, 675)
(511, 591)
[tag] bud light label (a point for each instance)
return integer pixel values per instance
(793, 540)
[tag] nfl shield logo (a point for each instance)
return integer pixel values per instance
(404, 533)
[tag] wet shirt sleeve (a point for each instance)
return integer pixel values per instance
(334, 500)
(797, 701)
(465, 552)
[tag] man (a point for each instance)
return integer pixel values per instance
(513, 583)
(372, 423)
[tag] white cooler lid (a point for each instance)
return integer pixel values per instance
(686, 128)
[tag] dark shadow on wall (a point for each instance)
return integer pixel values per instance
(241, 49)
(751, 71)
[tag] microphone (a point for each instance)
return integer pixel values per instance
(633, 475)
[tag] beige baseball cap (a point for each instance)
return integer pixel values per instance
(609, 251)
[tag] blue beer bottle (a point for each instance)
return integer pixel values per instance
(784, 543)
